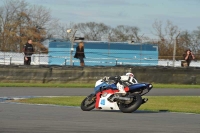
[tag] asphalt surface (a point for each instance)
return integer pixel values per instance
(27, 118)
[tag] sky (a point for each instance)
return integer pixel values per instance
(141, 13)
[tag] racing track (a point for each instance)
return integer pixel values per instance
(24, 118)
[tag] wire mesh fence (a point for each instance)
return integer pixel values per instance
(61, 53)
(13, 58)
(104, 53)
(110, 59)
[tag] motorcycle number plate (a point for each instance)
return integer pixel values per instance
(104, 104)
(103, 101)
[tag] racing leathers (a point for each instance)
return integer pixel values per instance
(119, 79)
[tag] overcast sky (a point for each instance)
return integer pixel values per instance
(141, 13)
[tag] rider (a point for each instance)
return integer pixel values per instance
(129, 78)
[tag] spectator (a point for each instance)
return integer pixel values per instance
(188, 57)
(80, 53)
(28, 51)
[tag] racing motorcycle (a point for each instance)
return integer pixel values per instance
(106, 96)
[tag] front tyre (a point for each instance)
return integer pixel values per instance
(88, 103)
(131, 105)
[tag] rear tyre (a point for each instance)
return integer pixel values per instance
(132, 105)
(88, 103)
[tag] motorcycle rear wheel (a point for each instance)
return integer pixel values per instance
(131, 105)
(88, 103)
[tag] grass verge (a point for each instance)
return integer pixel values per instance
(188, 104)
(56, 85)
(90, 85)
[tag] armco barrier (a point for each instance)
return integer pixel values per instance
(71, 74)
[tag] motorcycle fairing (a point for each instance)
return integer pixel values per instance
(141, 88)
(102, 100)
(103, 86)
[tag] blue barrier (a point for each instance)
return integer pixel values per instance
(104, 53)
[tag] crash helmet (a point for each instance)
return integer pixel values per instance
(132, 78)
(130, 74)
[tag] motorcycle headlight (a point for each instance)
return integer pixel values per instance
(150, 85)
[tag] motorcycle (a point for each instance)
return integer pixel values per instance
(106, 96)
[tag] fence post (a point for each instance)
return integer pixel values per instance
(4, 58)
(10, 60)
(65, 61)
(72, 43)
(174, 52)
(116, 62)
(33, 58)
(39, 58)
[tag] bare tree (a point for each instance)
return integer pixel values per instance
(9, 23)
(20, 21)
(167, 37)
(195, 46)
(124, 33)
(58, 30)
(92, 30)
(189, 40)
(120, 33)
(185, 40)
(158, 27)
(51, 28)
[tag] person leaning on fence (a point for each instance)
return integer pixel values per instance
(188, 57)
(80, 53)
(28, 51)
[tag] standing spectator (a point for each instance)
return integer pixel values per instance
(28, 51)
(80, 53)
(188, 57)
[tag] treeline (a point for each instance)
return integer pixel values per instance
(19, 21)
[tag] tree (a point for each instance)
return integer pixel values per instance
(20, 21)
(189, 40)
(10, 24)
(93, 31)
(167, 37)
(124, 33)
(59, 30)
(195, 46)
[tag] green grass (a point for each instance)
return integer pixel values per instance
(174, 86)
(89, 85)
(188, 104)
(56, 85)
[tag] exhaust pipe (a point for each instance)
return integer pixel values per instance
(124, 98)
(118, 98)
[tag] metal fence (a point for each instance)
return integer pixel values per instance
(104, 59)
(12, 58)
(100, 53)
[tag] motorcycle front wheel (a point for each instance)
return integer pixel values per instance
(131, 105)
(88, 103)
